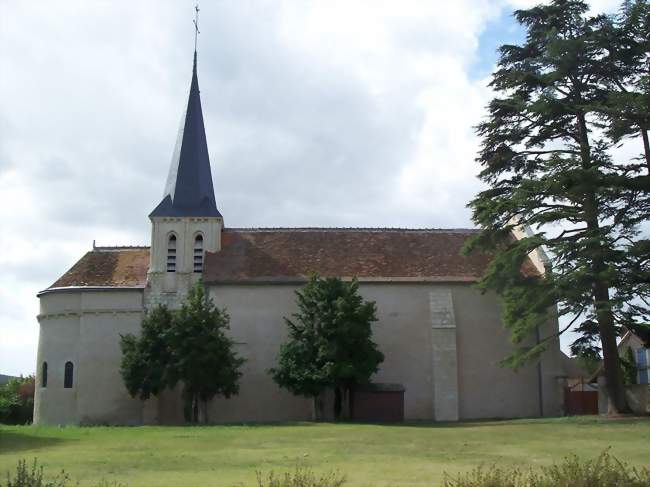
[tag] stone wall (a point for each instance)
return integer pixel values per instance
(442, 342)
(637, 395)
(84, 327)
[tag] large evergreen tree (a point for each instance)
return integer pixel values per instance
(547, 160)
(330, 342)
(625, 115)
(189, 346)
(625, 40)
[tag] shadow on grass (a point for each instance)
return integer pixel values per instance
(477, 423)
(11, 442)
(424, 424)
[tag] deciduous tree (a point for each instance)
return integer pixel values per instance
(330, 342)
(188, 346)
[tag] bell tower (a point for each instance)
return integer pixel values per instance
(186, 223)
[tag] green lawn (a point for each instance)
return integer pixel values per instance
(409, 454)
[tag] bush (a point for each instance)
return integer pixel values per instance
(604, 471)
(17, 401)
(301, 477)
(33, 477)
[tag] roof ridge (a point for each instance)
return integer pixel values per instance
(108, 248)
(356, 229)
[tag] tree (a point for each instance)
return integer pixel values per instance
(548, 166)
(625, 115)
(189, 346)
(330, 342)
(625, 40)
(202, 354)
(147, 359)
(17, 400)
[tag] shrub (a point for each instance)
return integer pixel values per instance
(33, 477)
(17, 401)
(481, 477)
(604, 471)
(26, 477)
(301, 477)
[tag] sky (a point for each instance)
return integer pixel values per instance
(321, 113)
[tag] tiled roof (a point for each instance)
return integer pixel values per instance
(292, 254)
(108, 266)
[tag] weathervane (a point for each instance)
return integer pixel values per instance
(196, 24)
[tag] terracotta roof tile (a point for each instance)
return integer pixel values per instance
(108, 266)
(294, 253)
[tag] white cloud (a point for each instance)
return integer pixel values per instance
(318, 113)
(597, 6)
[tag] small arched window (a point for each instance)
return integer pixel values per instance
(198, 253)
(67, 376)
(44, 375)
(171, 253)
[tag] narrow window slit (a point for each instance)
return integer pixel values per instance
(44, 375)
(68, 375)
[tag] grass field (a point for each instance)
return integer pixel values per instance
(405, 455)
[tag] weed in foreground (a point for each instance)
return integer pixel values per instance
(301, 477)
(604, 471)
(33, 477)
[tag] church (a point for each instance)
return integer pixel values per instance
(441, 337)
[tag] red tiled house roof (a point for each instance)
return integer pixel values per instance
(108, 267)
(292, 254)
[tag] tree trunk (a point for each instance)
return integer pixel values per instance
(346, 403)
(338, 402)
(195, 409)
(317, 407)
(611, 360)
(600, 288)
(646, 146)
(206, 419)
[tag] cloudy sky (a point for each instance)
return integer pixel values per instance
(318, 113)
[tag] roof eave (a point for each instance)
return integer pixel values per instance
(69, 289)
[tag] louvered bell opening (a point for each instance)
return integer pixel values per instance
(198, 254)
(171, 254)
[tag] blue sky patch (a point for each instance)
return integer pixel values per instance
(502, 30)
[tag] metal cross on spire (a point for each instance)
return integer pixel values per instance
(196, 25)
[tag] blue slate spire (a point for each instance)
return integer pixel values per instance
(189, 190)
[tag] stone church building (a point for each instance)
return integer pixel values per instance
(442, 339)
